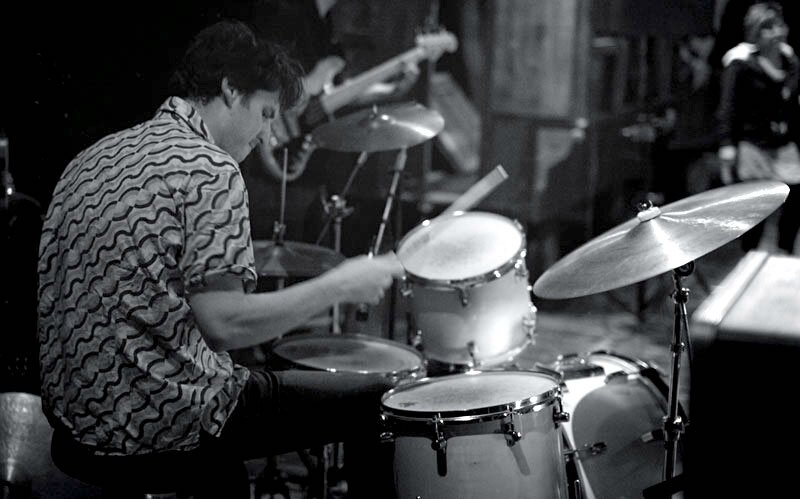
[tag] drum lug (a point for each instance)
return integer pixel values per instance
(586, 451)
(463, 295)
(471, 350)
(439, 444)
(510, 431)
(416, 339)
(405, 288)
(387, 437)
(559, 415)
(520, 269)
(529, 321)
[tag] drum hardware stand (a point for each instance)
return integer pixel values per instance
(399, 165)
(337, 210)
(674, 424)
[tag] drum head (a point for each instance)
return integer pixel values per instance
(348, 353)
(460, 246)
(472, 393)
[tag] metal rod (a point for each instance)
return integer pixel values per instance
(399, 164)
(673, 424)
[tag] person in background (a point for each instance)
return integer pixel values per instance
(307, 29)
(145, 271)
(758, 113)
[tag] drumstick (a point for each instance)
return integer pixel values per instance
(478, 191)
(464, 202)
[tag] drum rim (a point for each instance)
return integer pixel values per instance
(474, 413)
(640, 364)
(517, 257)
(410, 372)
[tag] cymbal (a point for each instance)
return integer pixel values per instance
(383, 128)
(661, 239)
(293, 259)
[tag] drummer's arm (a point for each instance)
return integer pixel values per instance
(229, 318)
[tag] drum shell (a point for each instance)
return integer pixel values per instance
(481, 460)
(467, 289)
(480, 325)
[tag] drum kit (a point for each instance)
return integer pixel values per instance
(463, 420)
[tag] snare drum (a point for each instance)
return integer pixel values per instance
(468, 289)
(477, 435)
(617, 406)
(353, 353)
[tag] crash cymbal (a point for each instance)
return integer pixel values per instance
(293, 259)
(380, 129)
(661, 239)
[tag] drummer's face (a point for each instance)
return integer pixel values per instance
(250, 122)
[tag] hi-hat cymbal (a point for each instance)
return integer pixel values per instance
(293, 259)
(661, 239)
(380, 128)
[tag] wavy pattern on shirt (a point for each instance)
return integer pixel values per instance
(136, 220)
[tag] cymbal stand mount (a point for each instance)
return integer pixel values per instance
(279, 227)
(331, 206)
(674, 425)
(336, 208)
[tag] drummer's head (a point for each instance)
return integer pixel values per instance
(238, 83)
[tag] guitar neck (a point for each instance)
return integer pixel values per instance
(345, 93)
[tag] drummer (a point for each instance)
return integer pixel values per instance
(145, 267)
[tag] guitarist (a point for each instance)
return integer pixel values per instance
(306, 28)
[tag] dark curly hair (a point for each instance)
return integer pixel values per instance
(231, 49)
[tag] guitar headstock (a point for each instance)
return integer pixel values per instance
(437, 43)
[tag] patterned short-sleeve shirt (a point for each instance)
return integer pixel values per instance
(138, 221)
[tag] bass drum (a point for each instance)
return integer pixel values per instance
(616, 406)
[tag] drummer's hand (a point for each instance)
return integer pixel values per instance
(363, 279)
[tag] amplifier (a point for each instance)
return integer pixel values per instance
(743, 438)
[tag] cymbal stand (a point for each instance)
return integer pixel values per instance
(336, 209)
(399, 165)
(674, 425)
(331, 208)
(279, 227)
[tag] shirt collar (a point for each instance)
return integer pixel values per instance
(183, 110)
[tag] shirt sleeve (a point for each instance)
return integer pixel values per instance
(217, 228)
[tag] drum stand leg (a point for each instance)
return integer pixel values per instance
(400, 162)
(674, 425)
(337, 210)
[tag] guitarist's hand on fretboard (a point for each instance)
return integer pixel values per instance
(321, 77)
(385, 81)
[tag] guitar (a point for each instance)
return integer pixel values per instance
(322, 107)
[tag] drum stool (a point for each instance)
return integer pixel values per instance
(127, 476)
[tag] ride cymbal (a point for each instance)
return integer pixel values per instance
(383, 128)
(661, 239)
(293, 259)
